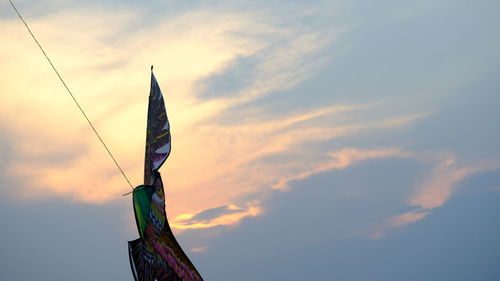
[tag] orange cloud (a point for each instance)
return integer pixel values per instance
(433, 190)
(102, 64)
(199, 249)
(212, 164)
(406, 218)
(341, 159)
(233, 214)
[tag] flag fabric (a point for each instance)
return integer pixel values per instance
(156, 255)
(142, 196)
(158, 137)
(135, 256)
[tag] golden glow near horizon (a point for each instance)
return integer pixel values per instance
(212, 164)
(112, 86)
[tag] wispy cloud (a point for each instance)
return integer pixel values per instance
(199, 249)
(275, 176)
(101, 63)
(434, 189)
(219, 216)
(340, 160)
(437, 187)
(57, 155)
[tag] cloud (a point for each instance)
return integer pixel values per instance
(434, 189)
(406, 218)
(282, 174)
(219, 216)
(56, 153)
(199, 249)
(258, 157)
(341, 159)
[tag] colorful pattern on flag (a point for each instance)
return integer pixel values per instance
(158, 139)
(158, 256)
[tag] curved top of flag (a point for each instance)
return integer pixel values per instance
(158, 139)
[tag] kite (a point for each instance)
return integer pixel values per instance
(156, 255)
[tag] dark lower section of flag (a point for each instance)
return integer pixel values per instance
(148, 266)
(160, 264)
(134, 255)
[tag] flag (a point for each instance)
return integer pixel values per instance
(156, 255)
(158, 139)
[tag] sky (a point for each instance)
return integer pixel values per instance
(333, 140)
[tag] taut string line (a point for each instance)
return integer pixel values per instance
(71, 94)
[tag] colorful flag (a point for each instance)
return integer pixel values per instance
(158, 137)
(156, 255)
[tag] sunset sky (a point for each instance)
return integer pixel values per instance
(311, 140)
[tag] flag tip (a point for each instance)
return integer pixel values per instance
(151, 67)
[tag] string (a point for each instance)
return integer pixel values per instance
(71, 94)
